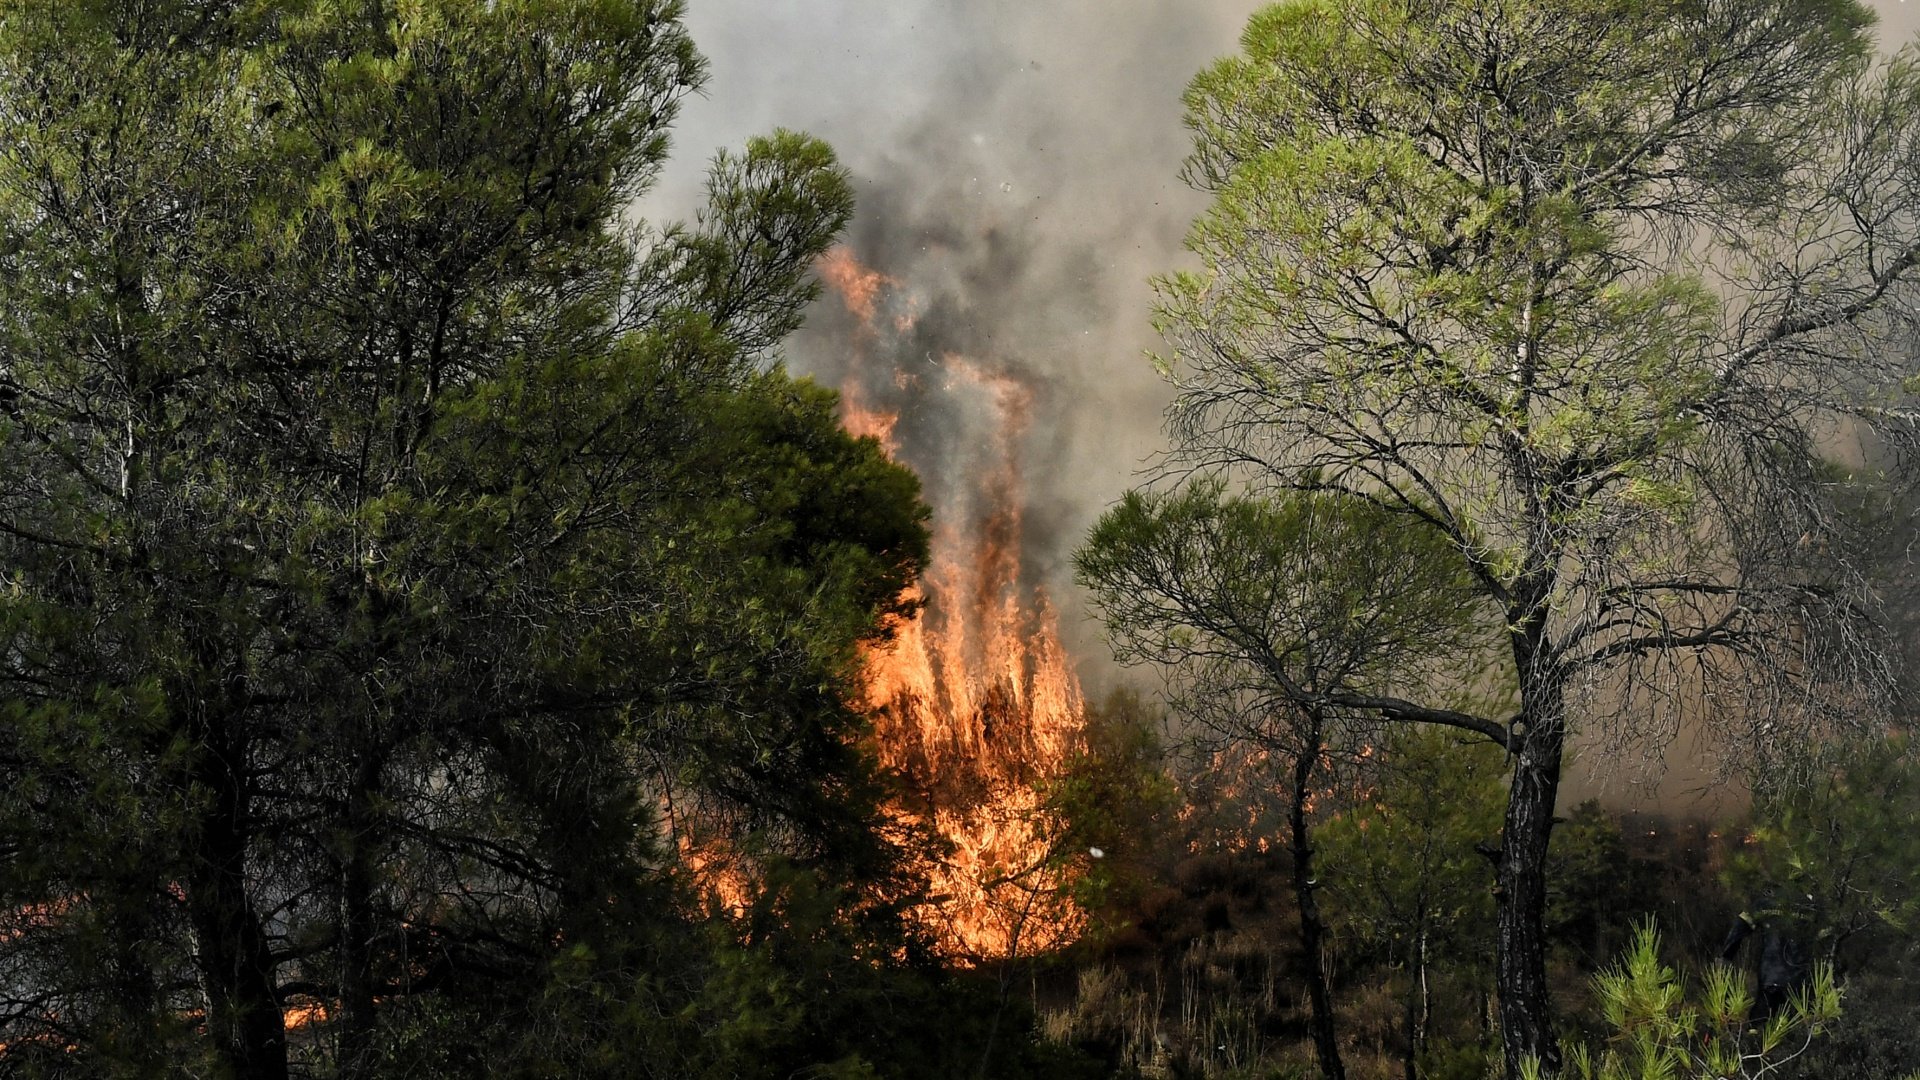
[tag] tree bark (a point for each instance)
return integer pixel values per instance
(1312, 930)
(244, 1018)
(1521, 964)
(358, 931)
(1419, 1008)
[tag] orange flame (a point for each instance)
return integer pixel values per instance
(858, 286)
(306, 1012)
(718, 874)
(974, 699)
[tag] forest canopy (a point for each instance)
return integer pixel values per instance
(438, 633)
(394, 538)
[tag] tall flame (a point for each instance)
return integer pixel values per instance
(976, 704)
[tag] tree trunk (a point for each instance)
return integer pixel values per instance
(1418, 1007)
(1526, 1026)
(1426, 994)
(365, 837)
(244, 1018)
(1312, 932)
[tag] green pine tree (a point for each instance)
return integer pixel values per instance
(399, 545)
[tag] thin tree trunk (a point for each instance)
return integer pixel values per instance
(1417, 1005)
(1426, 996)
(357, 929)
(1312, 931)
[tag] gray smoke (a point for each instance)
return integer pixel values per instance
(1017, 171)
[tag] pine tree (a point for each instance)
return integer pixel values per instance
(1592, 292)
(391, 532)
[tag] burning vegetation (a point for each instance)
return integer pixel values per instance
(975, 701)
(440, 639)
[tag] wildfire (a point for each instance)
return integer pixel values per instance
(304, 1012)
(715, 868)
(299, 1011)
(28, 918)
(975, 700)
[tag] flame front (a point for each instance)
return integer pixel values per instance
(976, 704)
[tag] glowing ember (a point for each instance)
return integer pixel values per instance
(31, 917)
(975, 700)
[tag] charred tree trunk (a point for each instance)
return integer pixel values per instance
(1312, 930)
(1521, 892)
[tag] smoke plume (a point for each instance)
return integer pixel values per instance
(1017, 172)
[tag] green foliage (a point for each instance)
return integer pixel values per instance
(404, 554)
(1539, 283)
(808, 978)
(1425, 282)
(810, 987)
(1277, 620)
(1874, 1037)
(1407, 883)
(1833, 858)
(1401, 866)
(1841, 838)
(1115, 797)
(1309, 594)
(1596, 887)
(1660, 1031)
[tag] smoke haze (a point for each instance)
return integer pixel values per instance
(1016, 164)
